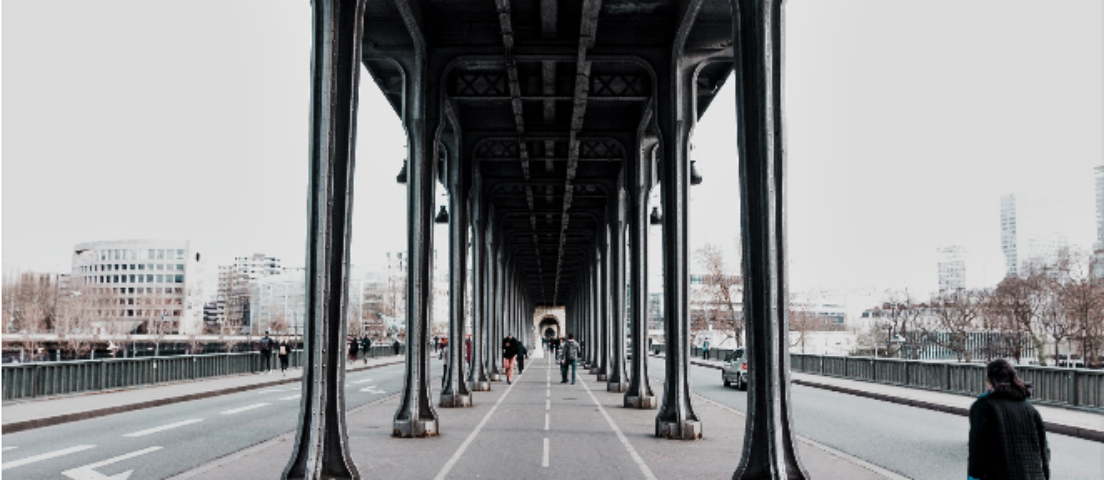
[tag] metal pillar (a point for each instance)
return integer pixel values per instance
(639, 393)
(477, 377)
(616, 382)
(321, 444)
(768, 434)
(455, 392)
(604, 304)
(416, 416)
(494, 344)
(676, 418)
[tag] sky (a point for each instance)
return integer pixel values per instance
(905, 125)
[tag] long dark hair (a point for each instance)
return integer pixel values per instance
(1002, 376)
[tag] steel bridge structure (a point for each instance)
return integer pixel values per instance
(548, 123)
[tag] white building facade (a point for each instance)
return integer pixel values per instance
(152, 286)
(952, 269)
(1031, 231)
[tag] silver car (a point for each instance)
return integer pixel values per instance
(735, 369)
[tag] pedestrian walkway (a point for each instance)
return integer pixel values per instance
(1066, 421)
(538, 428)
(53, 411)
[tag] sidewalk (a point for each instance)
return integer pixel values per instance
(541, 429)
(1065, 421)
(53, 411)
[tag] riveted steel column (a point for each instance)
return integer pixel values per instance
(494, 344)
(595, 308)
(321, 443)
(676, 418)
(455, 392)
(639, 393)
(416, 416)
(477, 377)
(768, 434)
(603, 303)
(616, 382)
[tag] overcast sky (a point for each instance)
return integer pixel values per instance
(907, 120)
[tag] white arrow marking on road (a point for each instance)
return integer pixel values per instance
(242, 409)
(87, 472)
(162, 428)
(291, 397)
(371, 389)
(46, 456)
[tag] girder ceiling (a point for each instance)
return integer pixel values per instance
(550, 97)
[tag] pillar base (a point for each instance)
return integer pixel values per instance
(414, 428)
(688, 430)
(495, 377)
(593, 370)
(618, 387)
(453, 401)
(603, 377)
(483, 386)
(641, 403)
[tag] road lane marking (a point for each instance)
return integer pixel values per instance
(274, 390)
(9, 448)
(548, 392)
(291, 397)
(471, 436)
(88, 472)
(621, 436)
(46, 456)
(366, 380)
(162, 428)
(546, 421)
(548, 404)
(242, 409)
(544, 461)
(371, 389)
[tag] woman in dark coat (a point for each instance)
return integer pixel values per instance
(1007, 436)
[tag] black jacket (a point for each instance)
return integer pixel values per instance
(1007, 440)
(509, 348)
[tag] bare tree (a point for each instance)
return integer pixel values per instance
(721, 290)
(1080, 299)
(953, 318)
(896, 317)
(31, 302)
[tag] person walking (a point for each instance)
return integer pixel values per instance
(705, 350)
(1007, 436)
(354, 347)
(365, 344)
(509, 356)
(282, 351)
(266, 353)
(569, 357)
(522, 352)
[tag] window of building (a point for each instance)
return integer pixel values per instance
(131, 290)
(180, 279)
(160, 266)
(149, 278)
(180, 254)
(132, 279)
(160, 279)
(180, 267)
(160, 254)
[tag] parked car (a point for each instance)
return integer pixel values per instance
(735, 369)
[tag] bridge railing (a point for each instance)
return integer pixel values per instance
(48, 379)
(1075, 387)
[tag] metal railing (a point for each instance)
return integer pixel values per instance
(48, 379)
(1073, 387)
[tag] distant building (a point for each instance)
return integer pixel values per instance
(153, 285)
(278, 302)
(234, 289)
(1031, 231)
(952, 269)
(1098, 246)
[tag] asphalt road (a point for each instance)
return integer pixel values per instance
(917, 443)
(163, 441)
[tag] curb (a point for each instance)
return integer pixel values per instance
(15, 427)
(1062, 429)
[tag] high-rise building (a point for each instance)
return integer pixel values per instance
(147, 286)
(1098, 246)
(1031, 231)
(952, 269)
(233, 299)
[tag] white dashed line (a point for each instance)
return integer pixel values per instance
(9, 448)
(546, 421)
(548, 392)
(366, 380)
(544, 461)
(291, 397)
(242, 409)
(46, 456)
(471, 437)
(88, 472)
(162, 428)
(548, 404)
(621, 436)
